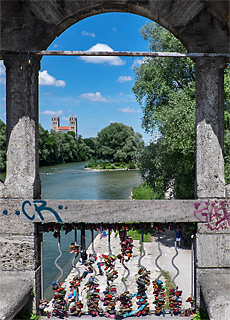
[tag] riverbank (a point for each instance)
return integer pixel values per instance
(183, 261)
(101, 170)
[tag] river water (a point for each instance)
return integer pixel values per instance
(71, 181)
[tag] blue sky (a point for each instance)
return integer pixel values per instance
(98, 90)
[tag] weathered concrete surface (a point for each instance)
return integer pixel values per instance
(215, 287)
(210, 128)
(22, 179)
(213, 271)
(96, 211)
(20, 256)
(15, 292)
(213, 250)
(202, 26)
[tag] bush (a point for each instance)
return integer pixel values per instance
(144, 192)
(124, 165)
(131, 165)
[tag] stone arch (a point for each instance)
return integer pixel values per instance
(200, 25)
(98, 9)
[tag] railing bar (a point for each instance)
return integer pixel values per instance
(115, 53)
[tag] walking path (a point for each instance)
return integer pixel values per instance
(167, 241)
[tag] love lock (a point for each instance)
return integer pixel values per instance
(158, 292)
(77, 306)
(93, 297)
(175, 301)
(58, 302)
(142, 281)
(125, 303)
(75, 248)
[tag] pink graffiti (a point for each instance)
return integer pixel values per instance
(214, 213)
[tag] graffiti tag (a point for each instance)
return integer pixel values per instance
(39, 206)
(214, 213)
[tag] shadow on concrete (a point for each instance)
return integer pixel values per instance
(168, 239)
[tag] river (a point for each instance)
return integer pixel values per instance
(71, 181)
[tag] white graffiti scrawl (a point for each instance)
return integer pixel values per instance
(215, 213)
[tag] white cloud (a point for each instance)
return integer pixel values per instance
(65, 118)
(94, 97)
(2, 73)
(46, 79)
(113, 61)
(47, 112)
(137, 63)
(123, 79)
(114, 29)
(2, 68)
(56, 46)
(90, 34)
(128, 110)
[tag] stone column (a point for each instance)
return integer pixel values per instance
(22, 179)
(210, 128)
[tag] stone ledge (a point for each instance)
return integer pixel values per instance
(215, 287)
(14, 294)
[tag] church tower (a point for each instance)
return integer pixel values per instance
(55, 123)
(73, 125)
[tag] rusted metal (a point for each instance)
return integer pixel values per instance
(116, 53)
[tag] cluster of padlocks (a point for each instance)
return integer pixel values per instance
(113, 305)
(76, 309)
(159, 293)
(142, 282)
(109, 301)
(93, 297)
(59, 302)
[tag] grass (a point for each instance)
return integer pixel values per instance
(169, 286)
(26, 314)
(143, 192)
(104, 165)
(137, 235)
(201, 315)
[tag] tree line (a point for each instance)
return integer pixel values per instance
(116, 142)
(165, 89)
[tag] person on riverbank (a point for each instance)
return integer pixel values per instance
(71, 297)
(178, 236)
(99, 264)
(88, 269)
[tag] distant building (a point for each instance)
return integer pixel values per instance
(72, 125)
(155, 138)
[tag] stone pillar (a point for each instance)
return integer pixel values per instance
(213, 271)
(210, 128)
(22, 179)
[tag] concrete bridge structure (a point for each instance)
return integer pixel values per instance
(203, 26)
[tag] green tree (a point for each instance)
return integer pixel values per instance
(165, 89)
(84, 151)
(47, 147)
(2, 146)
(92, 144)
(119, 142)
